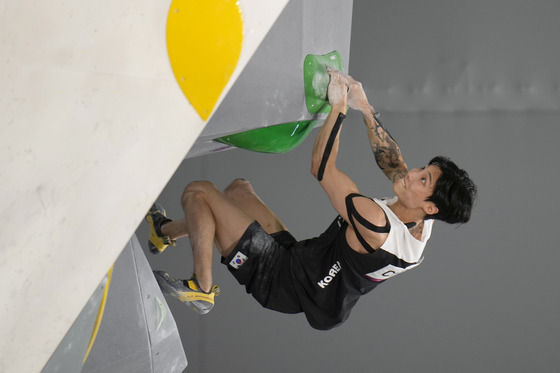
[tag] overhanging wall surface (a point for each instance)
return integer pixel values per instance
(137, 333)
(126, 326)
(270, 90)
(87, 97)
(70, 353)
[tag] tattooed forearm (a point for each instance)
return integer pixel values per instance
(386, 151)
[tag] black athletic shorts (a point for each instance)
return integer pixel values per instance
(261, 262)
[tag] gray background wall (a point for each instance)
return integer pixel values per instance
(478, 81)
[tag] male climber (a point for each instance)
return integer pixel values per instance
(370, 241)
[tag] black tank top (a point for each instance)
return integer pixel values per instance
(329, 276)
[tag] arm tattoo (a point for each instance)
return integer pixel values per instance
(386, 151)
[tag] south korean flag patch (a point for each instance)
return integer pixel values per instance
(238, 260)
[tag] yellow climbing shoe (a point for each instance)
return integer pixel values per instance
(188, 292)
(156, 218)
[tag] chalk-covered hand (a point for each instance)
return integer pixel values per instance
(337, 92)
(357, 98)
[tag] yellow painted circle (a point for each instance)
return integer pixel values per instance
(204, 39)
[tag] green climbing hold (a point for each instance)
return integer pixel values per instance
(279, 138)
(316, 80)
(282, 138)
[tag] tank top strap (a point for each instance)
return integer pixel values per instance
(354, 216)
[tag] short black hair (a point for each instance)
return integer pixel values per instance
(454, 194)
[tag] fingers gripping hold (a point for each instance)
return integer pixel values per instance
(355, 94)
(338, 89)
